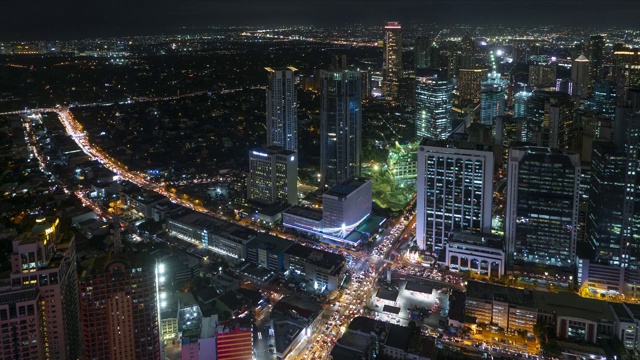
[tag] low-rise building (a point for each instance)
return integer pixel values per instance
(324, 270)
(268, 251)
(477, 252)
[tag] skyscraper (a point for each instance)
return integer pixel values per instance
(273, 176)
(542, 205)
(282, 108)
(580, 76)
(340, 126)
(467, 52)
(492, 100)
(392, 64)
(454, 191)
(422, 53)
(433, 106)
(604, 98)
(119, 309)
(39, 307)
(606, 202)
(596, 55)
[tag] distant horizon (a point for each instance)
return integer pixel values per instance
(46, 20)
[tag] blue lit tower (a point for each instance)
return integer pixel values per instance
(520, 104)
(492, 100)
(340, 126)
(433, 106)
(282, 108)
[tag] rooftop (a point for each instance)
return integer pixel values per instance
(317, 257)
(305, 212)
(347, 187)
(572, 305)
(273, 244)
(387, 294)
(514, 296)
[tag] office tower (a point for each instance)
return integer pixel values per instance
(454, 191)
(346, 205)
(340, 126)
(606, 202)
(626, 72)
(542, 75)
(542, 205)
(273, 176)
(407, 90)
(520, 104)
(422, 53)
(392, 65)
(119, 308)
(433, 105)
(492, 98)
(467, 52)
(282, 108)
(596, 55)
(39, 311)
(580, 73)
(560, 124)
(469, 84)
(604, 98)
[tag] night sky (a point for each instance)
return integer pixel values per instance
(53, 19)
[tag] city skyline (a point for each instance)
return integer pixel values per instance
(64, 20)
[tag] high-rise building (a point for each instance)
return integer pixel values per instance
(596, 55)
(273, 176)
(39, 305)
(542, 205)
(392, 66)
(604, 98)
(492, 98)
(520, 104)
(282, 108)
(433, 106)
(469, 81)
(340, 126)
(542, 75)
(119, 308)
(467, 52)
(626, 72)
(606, 202)
(422, 53)
(580, 76)
(454, 191)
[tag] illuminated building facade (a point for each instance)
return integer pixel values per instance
(340, 126)
(596, 55)
(520, 104)
(119, 309)
(454, 191)
(392, 64)
(542, 75)
(492, 98)
(606, 202)
(542, 205)
(467, 52)
(469, 84)
(580, 73)
(39, 304)
(282, 108)
(273, 176)
(402, 163)
(433, 106)
(346, 205)
(235, 344)
(604, 98)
